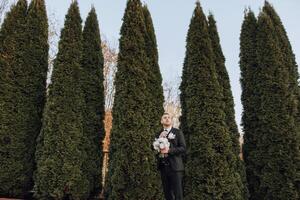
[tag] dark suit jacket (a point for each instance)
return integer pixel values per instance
(176, 152)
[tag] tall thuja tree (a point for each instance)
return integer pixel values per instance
(154, 82)
(285, 46)
(209, 171)
(15, 171)
(61, 144)
(250, 100)
(132, 173)
(154, 75)
(34, 76)
(93, 90)
(224, 82)
(298, 115)
(277, 144)
(288, 56)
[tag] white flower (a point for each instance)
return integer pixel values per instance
(171, 136)
(156, 145)
(161, 143)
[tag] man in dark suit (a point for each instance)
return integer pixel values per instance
(169, 160)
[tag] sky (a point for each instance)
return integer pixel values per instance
(171, 19)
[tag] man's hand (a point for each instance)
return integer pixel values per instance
(164, 150)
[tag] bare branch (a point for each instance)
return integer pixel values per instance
(172, 100)
(110, 68)
(53, 37)
(3, 7)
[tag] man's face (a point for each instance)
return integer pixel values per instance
(166, 120)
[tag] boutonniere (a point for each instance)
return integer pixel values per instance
(171, 136)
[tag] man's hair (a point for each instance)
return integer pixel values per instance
(166, 113)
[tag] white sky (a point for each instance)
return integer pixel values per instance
(171, 19)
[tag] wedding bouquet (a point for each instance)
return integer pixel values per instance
(161, 143)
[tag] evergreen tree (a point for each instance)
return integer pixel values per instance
(132, 173)
(298, 116)
(285, 46)
(224, 82)
(209, 171)
(288, 57)
(15, 129)
(35, 76)
(155, 78)
(250, 100)
(277, 144)
(61, 144)
(93, 90)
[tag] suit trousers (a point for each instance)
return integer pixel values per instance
(172, 183)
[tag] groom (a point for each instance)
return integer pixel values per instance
(169, 160)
